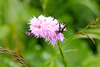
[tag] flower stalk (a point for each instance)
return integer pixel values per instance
(64, 59)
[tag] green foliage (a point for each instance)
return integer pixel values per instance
(15, 14)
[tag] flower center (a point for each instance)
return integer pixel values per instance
(39, 26)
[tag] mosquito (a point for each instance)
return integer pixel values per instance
(61, 29)
(28, 33)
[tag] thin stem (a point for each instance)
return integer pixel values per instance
(74, 36)
(64, 60)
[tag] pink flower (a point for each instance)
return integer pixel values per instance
(47, 28)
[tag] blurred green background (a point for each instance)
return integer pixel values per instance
(80, 52)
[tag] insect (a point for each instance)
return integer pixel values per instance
(61, 29)
(28, 33)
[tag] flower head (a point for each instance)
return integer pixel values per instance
(47, 28)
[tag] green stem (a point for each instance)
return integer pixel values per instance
(64, 60)
(84, 28)
(74, 36)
